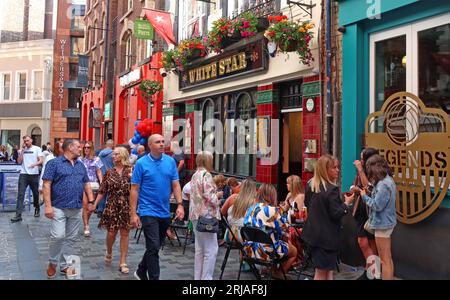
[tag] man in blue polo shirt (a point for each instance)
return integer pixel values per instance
(64, 181)
(155, 177)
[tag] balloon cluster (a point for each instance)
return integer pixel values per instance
(142, 130)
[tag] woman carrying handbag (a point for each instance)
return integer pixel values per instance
(204, 214)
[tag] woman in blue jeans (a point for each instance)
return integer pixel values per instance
(382, 218)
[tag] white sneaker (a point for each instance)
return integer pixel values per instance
(87, 233)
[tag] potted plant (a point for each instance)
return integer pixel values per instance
(169, 59)
(221, 35)
(191, 49)
(291, 36)
(246, 23)
(149, 87)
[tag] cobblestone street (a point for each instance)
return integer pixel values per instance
(24, 251)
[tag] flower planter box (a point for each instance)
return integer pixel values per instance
(291, 46)
(195, 53)
(236, 37)
(263, 24)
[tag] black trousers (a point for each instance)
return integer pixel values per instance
(26, 180)
(155, 232)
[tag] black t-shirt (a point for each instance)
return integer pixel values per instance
(178, 158)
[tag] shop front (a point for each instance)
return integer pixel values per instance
(248, 108)
(401, 46)
(130, 105)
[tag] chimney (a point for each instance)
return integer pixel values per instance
(48, 19)
(26, 18)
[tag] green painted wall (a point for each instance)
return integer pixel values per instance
(351, 11)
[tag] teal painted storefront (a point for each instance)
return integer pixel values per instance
(355, 105)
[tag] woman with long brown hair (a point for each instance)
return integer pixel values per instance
(382, 217)
(322, 228)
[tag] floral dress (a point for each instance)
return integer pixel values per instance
(117, 211)
(269, 219)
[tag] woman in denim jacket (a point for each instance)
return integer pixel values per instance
(382, 218)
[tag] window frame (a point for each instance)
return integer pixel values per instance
(33, 81)
(17, 89)
(2, 74)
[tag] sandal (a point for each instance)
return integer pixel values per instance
(108, 257)
(123, 268)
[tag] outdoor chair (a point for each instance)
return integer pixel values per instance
(257, 235)
(234, 244)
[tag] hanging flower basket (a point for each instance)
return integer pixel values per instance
(149, 87)
(195, 53)
(288, 46)
(291, 36)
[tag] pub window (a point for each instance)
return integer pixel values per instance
(291, 95)
(95, 39)
(245, 133)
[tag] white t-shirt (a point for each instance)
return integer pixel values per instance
(186, 191)
(30, 157)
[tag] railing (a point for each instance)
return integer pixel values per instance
(261, 8)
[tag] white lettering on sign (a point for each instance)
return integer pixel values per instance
(129, 78)
(61, 71)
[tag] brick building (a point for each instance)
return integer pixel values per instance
(69, 42)
(120, 105)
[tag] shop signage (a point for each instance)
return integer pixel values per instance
(95, 118)
(130, 78)
(61, 70)
(107, 112)
(242, 61)
(310, 105)
(143, 30)
(414, 139)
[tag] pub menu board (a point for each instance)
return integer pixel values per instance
(10, 190)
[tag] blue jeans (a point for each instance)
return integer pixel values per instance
(155, 232)
(26, 180)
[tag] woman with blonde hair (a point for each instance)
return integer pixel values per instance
(296, 195)
(204, 202)
(236, 207)
(267, 216)
(321, 232)
(116, 216)
(93, 166)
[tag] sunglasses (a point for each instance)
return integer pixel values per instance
(87, 147)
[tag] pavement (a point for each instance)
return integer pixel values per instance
(24, 255)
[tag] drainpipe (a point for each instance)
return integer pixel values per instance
(329, 110)
(106, 59)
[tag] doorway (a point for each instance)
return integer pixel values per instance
(291, 149)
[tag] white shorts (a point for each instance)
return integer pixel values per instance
(384, 233)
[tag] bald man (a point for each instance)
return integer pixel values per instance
(155, 178)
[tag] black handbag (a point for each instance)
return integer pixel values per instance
(207, 224)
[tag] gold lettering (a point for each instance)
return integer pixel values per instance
(222, 67)
(228, 64)
(214, 70)
(208, 71)
(199, 75)
(234, 65)
(242, 61)
(192, 76)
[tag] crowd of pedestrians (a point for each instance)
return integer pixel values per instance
(134, 191)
